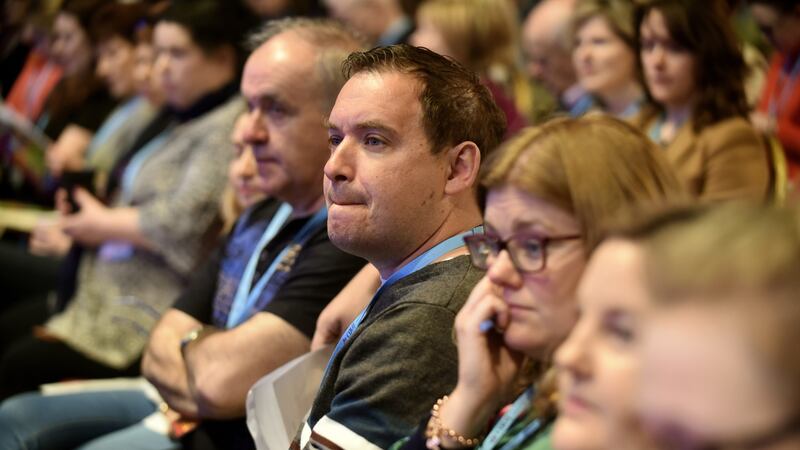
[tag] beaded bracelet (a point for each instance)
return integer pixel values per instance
(435, 430)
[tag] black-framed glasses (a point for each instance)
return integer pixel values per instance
(528, 253)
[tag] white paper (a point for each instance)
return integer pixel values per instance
(107, 384)
(280, 402)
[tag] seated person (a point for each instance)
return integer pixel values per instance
(604, 56)
(550, 191)
(406, 136)
(72, 113)
(253, 307)
(694, 72)
(161, 216)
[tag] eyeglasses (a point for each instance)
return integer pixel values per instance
(528, 253)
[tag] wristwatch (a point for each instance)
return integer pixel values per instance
(194, 335)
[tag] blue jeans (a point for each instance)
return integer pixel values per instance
(32, 421)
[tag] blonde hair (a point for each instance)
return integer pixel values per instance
(734, 255)
(618, 14)
(598, 168)
(484, 36)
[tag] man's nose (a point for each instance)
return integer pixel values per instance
(255, 131)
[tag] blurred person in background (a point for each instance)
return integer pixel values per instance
(126, 56)
(117, 30)
(40, 73)
(381, 22)
(779, 109)
(74, 109)
(14, 44)
(483, 36)
(719, 360)
(697, 109)
(605, 55)
(275, 9)
(207, 350)
(164, 193)
(547, 47)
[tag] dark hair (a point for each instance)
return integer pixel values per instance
(456, 107)
(72, 91)
(703, 30)
(82, 10)
(783, 6)
(213, 24)
(125, 20)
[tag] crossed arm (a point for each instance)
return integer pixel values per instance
(212, 375)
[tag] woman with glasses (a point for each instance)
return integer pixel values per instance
(550, 190)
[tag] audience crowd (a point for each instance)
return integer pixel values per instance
(506, 224)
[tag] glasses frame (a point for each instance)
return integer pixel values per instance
(502, 244)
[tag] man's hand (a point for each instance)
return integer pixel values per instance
(88, 225)
(48, 239)
(344, 308)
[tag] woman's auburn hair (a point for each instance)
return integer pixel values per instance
(597, 168)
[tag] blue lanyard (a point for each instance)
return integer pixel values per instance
(246, 298)
(117, 118)
(580, 107)
(135, 165)
(500, 429)
(431, 255)
(655, 130)
(775, 104)
(631, 110)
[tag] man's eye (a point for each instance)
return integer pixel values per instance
(276, 109)
(372, 140)
(334, 141)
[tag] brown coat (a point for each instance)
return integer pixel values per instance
(725, 161)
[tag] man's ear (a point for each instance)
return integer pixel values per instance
(464, 163)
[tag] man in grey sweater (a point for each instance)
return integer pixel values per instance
(406, 134)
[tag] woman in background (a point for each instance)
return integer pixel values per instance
(720, 367)
(73, 111)
(483, 36)
(550, 190)
(605, 55)
(698, 112)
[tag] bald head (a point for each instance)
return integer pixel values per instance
(546, 42)
(370, 18)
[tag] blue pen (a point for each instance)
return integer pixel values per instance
(486, 325)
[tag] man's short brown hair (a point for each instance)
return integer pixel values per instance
(456, 107)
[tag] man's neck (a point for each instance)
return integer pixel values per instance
(447, 230)
(306, 207)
